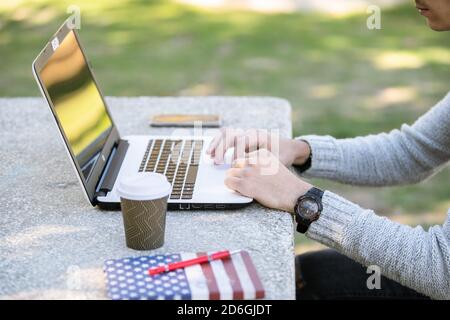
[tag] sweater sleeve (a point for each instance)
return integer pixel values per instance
(402, 156)
(414, 257)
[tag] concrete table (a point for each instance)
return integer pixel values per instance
(53, 242)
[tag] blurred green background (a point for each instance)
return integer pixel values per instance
(341, 78)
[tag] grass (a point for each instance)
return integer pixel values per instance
(341, 78)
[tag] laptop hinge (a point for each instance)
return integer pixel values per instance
(112, 168)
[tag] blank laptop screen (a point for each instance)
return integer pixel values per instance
(77, 102)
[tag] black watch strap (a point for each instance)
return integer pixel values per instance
(303, 224)
(302, 168)
(305, 166)
(316, 192)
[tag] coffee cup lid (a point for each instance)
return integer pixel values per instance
(144, 186)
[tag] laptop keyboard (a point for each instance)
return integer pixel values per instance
(178, 160)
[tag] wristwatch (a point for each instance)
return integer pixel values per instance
(308, 209)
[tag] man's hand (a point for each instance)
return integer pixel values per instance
(261, 176)
(288, 151)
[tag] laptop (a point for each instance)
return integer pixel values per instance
(100, 156)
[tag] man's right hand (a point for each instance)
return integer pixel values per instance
(288, 151)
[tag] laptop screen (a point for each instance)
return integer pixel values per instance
(77, 102)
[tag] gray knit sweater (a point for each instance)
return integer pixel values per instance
(414, 257)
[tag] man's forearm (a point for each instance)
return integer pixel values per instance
(401, 156)
(404, 254)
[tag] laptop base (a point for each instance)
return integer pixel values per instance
(183, 206)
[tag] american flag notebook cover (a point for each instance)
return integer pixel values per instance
(229, 279)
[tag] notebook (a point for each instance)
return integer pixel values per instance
(229, 279)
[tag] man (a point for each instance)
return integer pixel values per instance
(414, 263)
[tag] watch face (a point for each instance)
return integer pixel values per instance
(308, 208)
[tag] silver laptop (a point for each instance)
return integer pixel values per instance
(101, 156)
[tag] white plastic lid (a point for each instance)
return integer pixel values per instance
(144, 186)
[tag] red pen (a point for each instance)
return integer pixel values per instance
(186, 263)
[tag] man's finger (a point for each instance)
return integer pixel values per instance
(261, 157)
(239, 147)
(225, 143)
(234, 172)
(254, 154)
(214, 142)
(240, 163)
(252, 158)
(233, 183)
(252, 141)
(219, 151)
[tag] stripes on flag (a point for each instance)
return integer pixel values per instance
(213, 286)
(235, 278)
(227, 279)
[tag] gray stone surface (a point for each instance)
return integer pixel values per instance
(53, 243)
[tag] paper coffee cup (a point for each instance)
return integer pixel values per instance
(143, 199)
